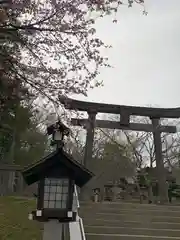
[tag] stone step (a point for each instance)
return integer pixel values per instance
(136, 211)
(123, 205)
(129, 224)
(132, 231)
(130, 217)
(94, 236)
(130, 221)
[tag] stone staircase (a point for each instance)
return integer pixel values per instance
(130, 221)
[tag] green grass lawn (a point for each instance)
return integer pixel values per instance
(14, 223)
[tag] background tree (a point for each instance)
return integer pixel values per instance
(59, 50)
(48, 49)
(27, 142)
(142, 144)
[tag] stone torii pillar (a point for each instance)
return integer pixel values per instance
(160, 170)
(90, 126)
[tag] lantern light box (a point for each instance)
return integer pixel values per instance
(57, 174)
(58, 131)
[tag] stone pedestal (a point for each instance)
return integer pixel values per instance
(53, 230)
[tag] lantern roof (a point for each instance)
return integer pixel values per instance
(57, 159)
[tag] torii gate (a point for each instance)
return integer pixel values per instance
(155, 114)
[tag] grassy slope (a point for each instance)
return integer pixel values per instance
(14, 223)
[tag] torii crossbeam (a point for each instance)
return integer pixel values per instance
(125, 112)
(120, 109)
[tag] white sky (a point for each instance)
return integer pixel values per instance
(145, 56)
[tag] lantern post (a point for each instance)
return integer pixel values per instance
(57, 175)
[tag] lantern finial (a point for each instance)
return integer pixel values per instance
(58, 130)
